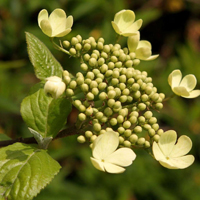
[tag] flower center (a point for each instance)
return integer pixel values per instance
(167, 157)
(102, 160)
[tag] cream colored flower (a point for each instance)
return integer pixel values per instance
(184, 87)
(55, 25)
(170, 154)
(106, 157)
(54, 86)
(124, 23)
(142, 49)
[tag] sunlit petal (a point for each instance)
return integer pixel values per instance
(193, 94)
(175, 78)
(133, 41)
(182, 162)
(189, 82)
(157, 152)
(46, 27)
(181, 91)
(43, 15)
(97, 164)
(112, 168)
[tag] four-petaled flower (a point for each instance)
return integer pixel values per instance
(54, 86)
(106, 157)
(170, 154)
(57, 24)
(124, 23)
(184, 87)
(142, 49)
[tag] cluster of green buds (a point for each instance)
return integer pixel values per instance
(114, 98)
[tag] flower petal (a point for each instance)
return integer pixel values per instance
(43, 14)
(122, 157)
(111, 168)
(181, 91)
(175, 78)
(193, 94)
(157, 152)
(56, 16)
(144, 43)
(61, 34)
(46, 27)
(182, 162)
(130, 30)
(105, 144)
(69, 22)
(143, 53)
(167, 141)
(97, 164)
(189, 82)
(182, 147)
(152, 57)
(116, 28)
(133, 41)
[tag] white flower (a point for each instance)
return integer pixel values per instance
(106, 157)
(184, 87)
(55, 25)
(54, 86)
(142, 49)
(170, 154)
(124, 24)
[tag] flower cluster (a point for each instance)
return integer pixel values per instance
(114, 98)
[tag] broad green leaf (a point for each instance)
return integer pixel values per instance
(44, 63)
(44, 114)
(24, 171)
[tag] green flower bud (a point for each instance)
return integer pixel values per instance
(156, 138)
(88, 134)
(134, 113)
(78, 47)
(96, 71)
(118, 64)
(141, 119)
(90, 96)
(90, 75)
(111, 94)
(136, 62)
(159, 106)
(104, 68)
(120, 119)
(126, 91)
(115, 74)
(121, 130)
(89, 111)
(141, 141)
(160, 132)
(137, 94)
(110, 102)
(88, 81)
(93, 138)
(152, 120)
(144, 97)
(102, 96)
(82, 116)
(113, 59)
(100, 45)
(132, 55)
(74, 41)
(131, 81)
(106, 48)
(79, 38)
(122, 86)
(114, 81)
(127, 124)
(137, 129)
(147, 144)
(92, 62)
(99, 115)
(66, 44)
(93, 84)
(135, 87)
(123, 112)
(146, 126)
(143, 86)
(108, 111)
(80, 80)
(133, 119)
(101, 61)
(148, 114)
(117, 105)
(133, 138)
(155, 96)
(104, 119)
(151, 132)
(97, 127)
(98, 80)
(162, 95)
(77, 103)
(122, 78)
(121, 140)
(94, 55)
(84, 87)
(122, 57)
(87, 47)
(95, 91)
(155, 126)
(139, 81)
(73, 84)
(129, 63)
(81, 108)
(102, 86)
(127, 133)
(123, 98)
(148, 89)
(142, 106)
(127, 143)
(81, 139)
(111, 65)
(113, 121)
(118, 92)
(84, 67)
(69, 92)
(109, 73)
(72, 51)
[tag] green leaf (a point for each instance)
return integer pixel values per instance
(24, 171)
(44, 63)
(44, 114)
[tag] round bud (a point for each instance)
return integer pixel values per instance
(78, 47)
(93, 84)
(92, 62)
(160, 132)
(146, 126)
(88, 134)
(99, 115)
(108, 73)
(104, 119)
(102, 96)
(82, 117)
(127, 132)
(159, 106)
(73, 84)
(111, 65)
(133, 138)
(121, 140)
(72, 51)
(137, 129)
(155, 96)
(115, 74)
(121, 130)
(81, 139)
(134, 113)
(100, 45)
(129, 63)
(148, 114)
(97, 127)
(133, 119)
(66, 44)
(132, 55)
(122, 78)
(89, 111)
(101, 61)
(84, 67)
(120, 119)
(151, 132)
(90, 96)
(152, 120)
(111, 94)
(123, 98)
(87, 47)
(122, 57)
(122, 86)
(156, 138)
(106, 48)
(80, 80)
(147, 144)
(126, 143)
(148, 89)
(102, 86)
(79, 38)
(141, 106)
(110, 102)
(113, 121)
(127, 124)
(69, 92)
(114, 81)
(137, 94)
(84, 87)
(144, 97)
(123, 112)
(136, 62)
(114, 59)
(81, 108)
(141, 119)
(118, 64)
(118, 92)
(141, 141)
(93, 138)
(108, 111)
(135, 87)
(155, 126)
(95, 91)
(77, 103)
(90, 75)
(74, 41)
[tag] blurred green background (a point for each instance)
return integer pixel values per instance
(173, 28)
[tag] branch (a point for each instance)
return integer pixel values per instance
(31, 140)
